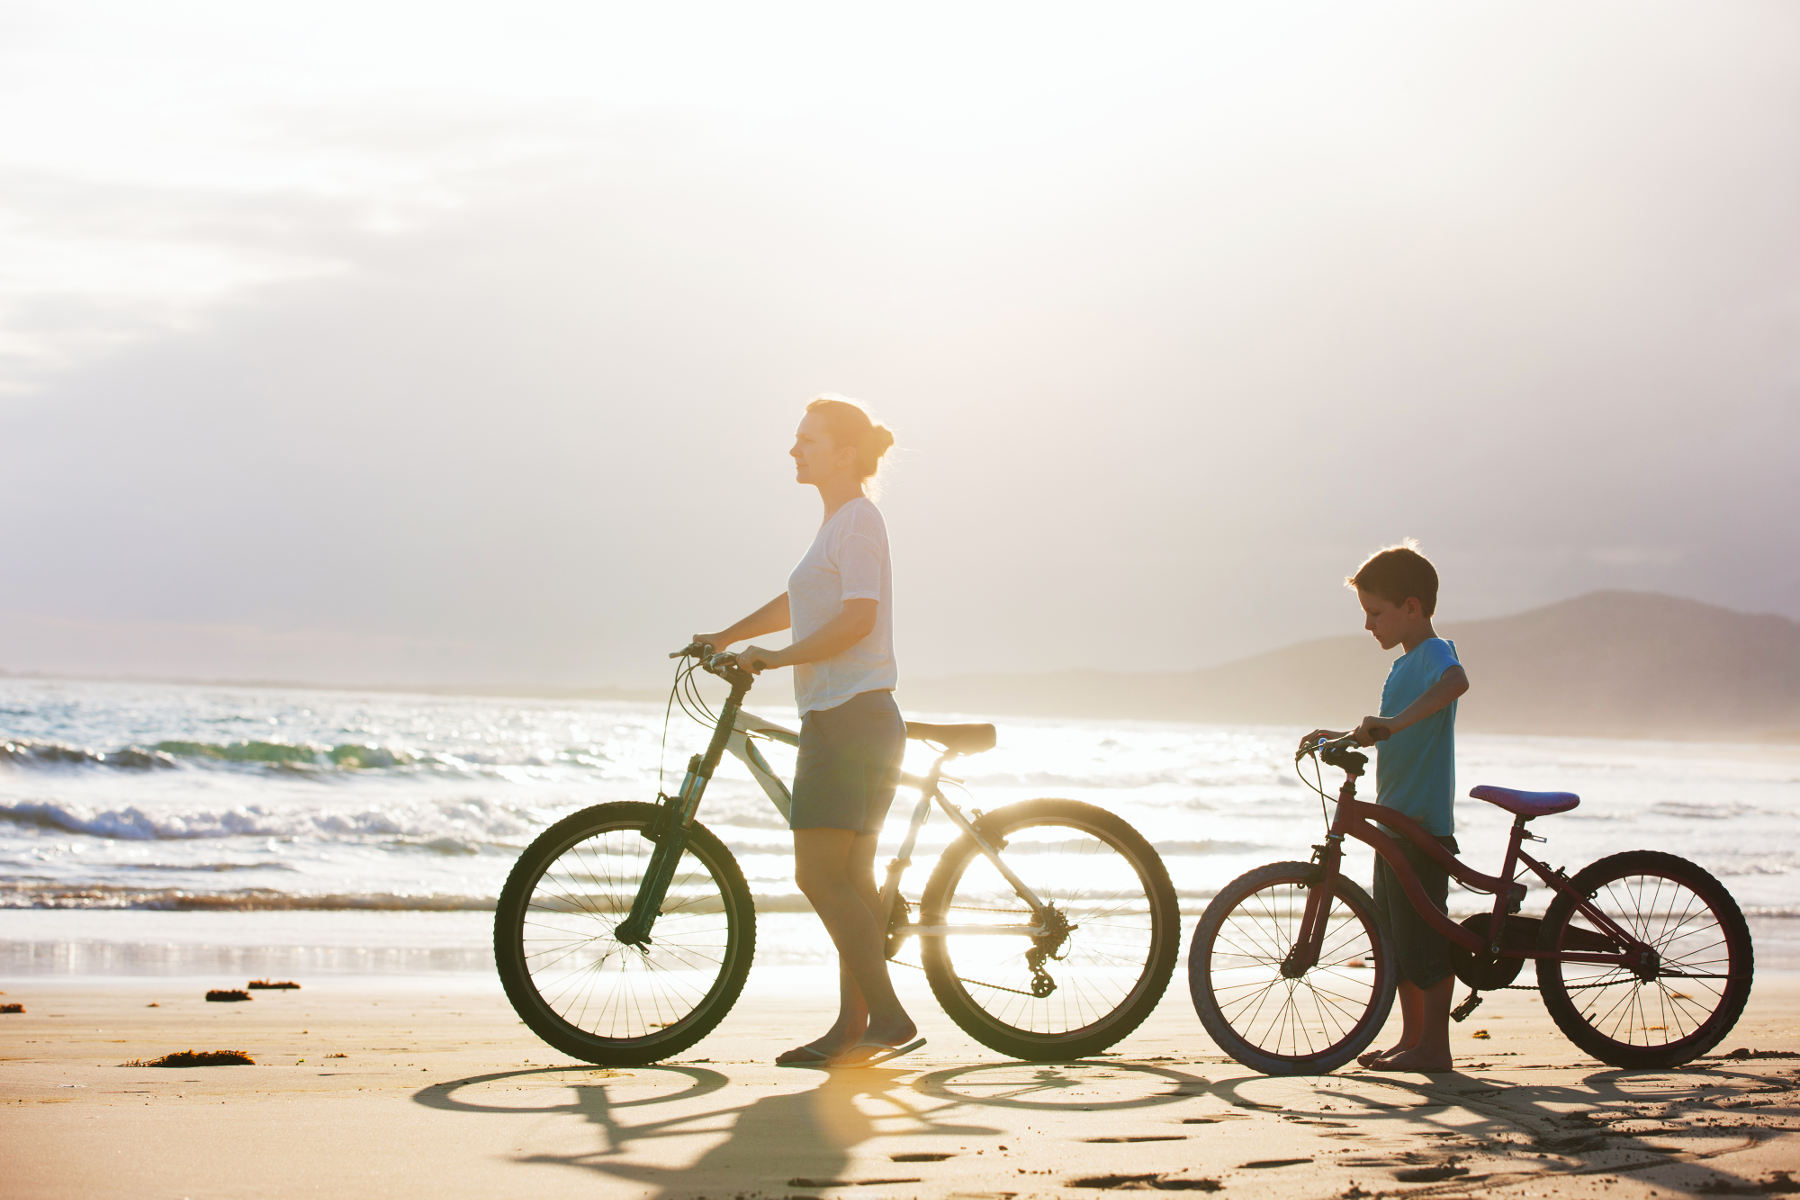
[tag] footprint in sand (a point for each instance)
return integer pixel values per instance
(1160, 1183)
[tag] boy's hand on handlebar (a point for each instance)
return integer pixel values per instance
(1371, 730)
(1310, 741)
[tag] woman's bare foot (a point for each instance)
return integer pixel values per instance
(843, 1034)
(891, 1033)
(817, 1052)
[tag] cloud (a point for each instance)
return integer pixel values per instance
(1165, 360)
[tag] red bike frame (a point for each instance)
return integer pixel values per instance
(1613, 945)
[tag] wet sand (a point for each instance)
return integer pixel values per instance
(429, 1085)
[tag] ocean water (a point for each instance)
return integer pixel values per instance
(376, 828)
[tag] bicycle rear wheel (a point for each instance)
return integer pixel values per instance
(1110, 932)
(1678, 1005)
(581, 989)
(1308, 1024)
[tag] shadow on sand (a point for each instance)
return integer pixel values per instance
(816, 1127)
(1460, 1128)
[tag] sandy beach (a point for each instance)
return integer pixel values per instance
(371, 1086)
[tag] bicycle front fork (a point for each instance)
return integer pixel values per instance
(1321, 885)
(668, 834)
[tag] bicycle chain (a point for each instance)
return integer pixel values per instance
(1034, 956)
(1567, 987)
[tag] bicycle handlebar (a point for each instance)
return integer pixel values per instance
(1327, 748)
(715, 662)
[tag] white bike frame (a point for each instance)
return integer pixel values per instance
(739, 744)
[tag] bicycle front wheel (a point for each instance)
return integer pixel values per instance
(1260, 1013)
(1679, 1003)
(1073, 977)
(587, 993)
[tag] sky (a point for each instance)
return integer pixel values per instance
(399, 343)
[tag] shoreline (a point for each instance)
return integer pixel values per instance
(128, 944)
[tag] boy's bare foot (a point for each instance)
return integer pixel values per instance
(1413, 1060)
(1377, 1056)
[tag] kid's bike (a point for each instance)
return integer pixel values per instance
(624, 934)
(1643, 958)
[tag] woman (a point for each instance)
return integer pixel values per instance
(839, 603)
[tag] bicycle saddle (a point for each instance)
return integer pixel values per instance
(1526, 804)
(957, 739)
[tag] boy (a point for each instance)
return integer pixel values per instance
(1415, 774)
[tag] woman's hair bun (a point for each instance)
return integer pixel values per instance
(850, 425)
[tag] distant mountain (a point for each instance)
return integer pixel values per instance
(1612, 663)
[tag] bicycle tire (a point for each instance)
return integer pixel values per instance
(1694, 925)
(575, 984)
(1320, 1020)
(1123, 935)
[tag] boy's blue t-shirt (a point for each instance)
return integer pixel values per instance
(1415, 769)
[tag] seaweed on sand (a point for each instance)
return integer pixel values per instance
(195, 1058)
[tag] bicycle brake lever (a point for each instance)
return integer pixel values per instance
(1317, 746)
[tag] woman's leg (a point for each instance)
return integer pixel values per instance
(835, 871)
(853, 1012)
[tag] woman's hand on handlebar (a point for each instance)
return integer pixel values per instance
(756, 660)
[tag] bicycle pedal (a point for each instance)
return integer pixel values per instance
(1461, 1012)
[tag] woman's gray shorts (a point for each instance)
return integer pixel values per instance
(849, 764)
(1422, 952)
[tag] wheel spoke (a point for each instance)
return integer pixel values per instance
(1107, 970)
(1253, 1009)
(1691, 990)
(576, 983)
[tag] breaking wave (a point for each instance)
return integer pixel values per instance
(41, 895)
(454, 827)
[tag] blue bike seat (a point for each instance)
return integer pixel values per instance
(1526, 804)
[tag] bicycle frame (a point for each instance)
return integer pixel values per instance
(1359, 819)
(733, 734)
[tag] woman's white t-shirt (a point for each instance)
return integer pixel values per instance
(848, 560)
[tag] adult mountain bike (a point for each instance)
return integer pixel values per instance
(1048, 929)
(1643, 958)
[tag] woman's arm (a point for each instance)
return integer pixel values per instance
(770, 618)
(837, 635)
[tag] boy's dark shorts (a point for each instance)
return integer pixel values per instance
(1422, 953)
(849, 764)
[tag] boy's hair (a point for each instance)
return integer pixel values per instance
(1398, 572)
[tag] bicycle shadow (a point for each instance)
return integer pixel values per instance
(1060, 1085)
(817, 1128)
(1464, 1129)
